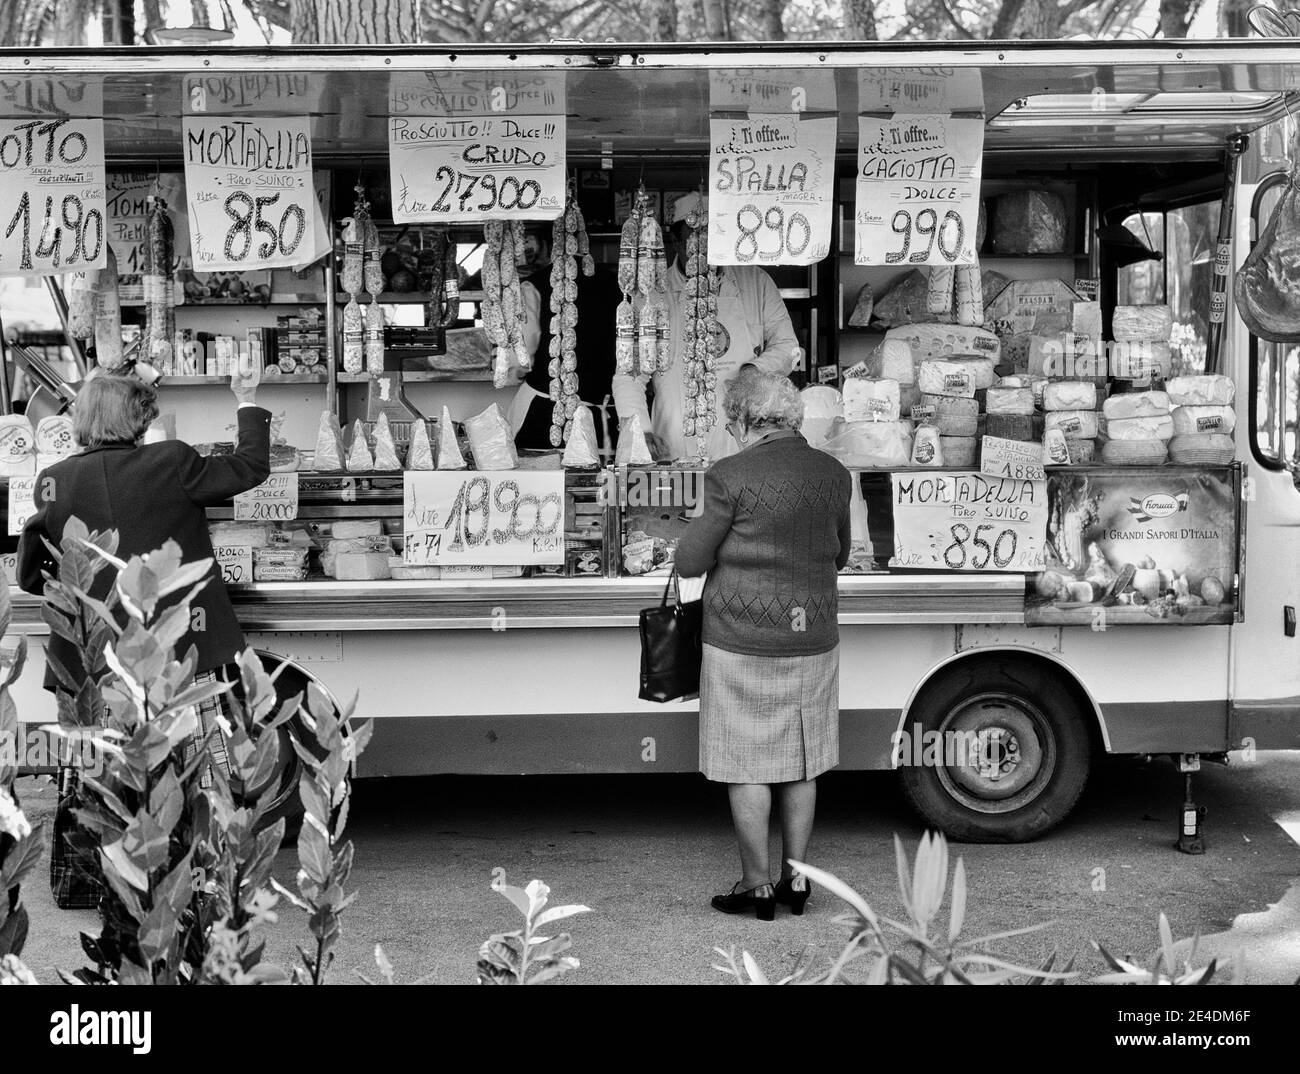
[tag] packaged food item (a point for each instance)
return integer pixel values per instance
(240, 534)
(108, 316)
(1069, 395)
(284, 458)
(354, 337)
(279, 564)
(385, 450)
(968, 295)
(329, 444)
(939, 291)
(490, 441)
(886, 444)
(1029, 222)
(1211, 389)
(449, 453)
(361, 566)
(867, 399)
(1141, 360)
(1134, 452)
(927, 447)
(351, 529)
(81, 303)
(1080, 424)
(939, 377)
(581, 449)
(419, 454)
(960, 451)
(1147, 323)
(373, 348)
(1147, 404)
(157, 285)
(1001, 400)
(359, 458)
(54, 436)
(1201, 449)
(1158, 427)
(632, 448)
(1056, 451)
(406, 573)
(1203, 419)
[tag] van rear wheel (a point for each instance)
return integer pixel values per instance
(1004, 751)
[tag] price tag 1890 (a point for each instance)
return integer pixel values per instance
(274, 500)
(505, 518)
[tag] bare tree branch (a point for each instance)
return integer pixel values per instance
(1008, 14)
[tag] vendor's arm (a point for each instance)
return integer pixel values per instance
(210, 480)
(697, 550)
(779, 340)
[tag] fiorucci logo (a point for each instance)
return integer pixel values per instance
(1157, 505)
(75, 1026)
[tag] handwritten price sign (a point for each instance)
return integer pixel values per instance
(22, 503)
(274, 500)
(968, 522)
(51, 196)
(771, 184)
(476, 168)
(248, 185)
(918, 190)
(503, 518)
(920, 89)
(235, 563)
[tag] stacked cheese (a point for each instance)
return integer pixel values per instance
(1203, 419)
(1141, 352)
(1070, 406)
(1137, 428)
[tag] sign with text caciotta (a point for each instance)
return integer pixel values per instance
(918, 190)
(474, 148)
(52, 199)
(964, 521)
(771, 185)
(504, 517)
(249, 188)
(22, 503)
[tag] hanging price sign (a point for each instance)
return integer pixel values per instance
(771, 184)
(918, 190)
(235, 563)
(503, 518)
(274, 500)
(22, 503)
(249, 188)
(52, 198)
(968, 522)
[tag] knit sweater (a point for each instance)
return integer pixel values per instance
(773, 535)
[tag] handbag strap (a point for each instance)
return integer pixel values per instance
(672, 577)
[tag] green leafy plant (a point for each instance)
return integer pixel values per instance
(1164, 967)
(924, 950)
(522, 956)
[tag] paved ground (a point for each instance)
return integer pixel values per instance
(645, 852)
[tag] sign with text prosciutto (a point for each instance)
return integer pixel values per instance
(474, 168)
(966, 521)
(52, 200)
(249, 188)
(501, 518)
(918, 190)
(771, 184)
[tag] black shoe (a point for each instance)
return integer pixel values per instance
(791, 895)
(761, 899)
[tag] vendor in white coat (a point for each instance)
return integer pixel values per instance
(755, 328)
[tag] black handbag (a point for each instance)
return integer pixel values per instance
(671, 648)
(76, 878)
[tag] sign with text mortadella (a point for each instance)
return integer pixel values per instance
(52, 199)
(771, 183)
(249, 188)
(502, 518)
(918, 190)
(1138, 545)
(964, 521)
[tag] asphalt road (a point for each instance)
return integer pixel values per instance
(645, 853)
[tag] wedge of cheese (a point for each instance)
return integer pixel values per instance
(419, 455)
(329, 444)
(1204, 419)
(385, 450)
(892, 360)
(359, 457)
(946, 340)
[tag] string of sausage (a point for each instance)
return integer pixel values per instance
(569, 249)
(700, 330)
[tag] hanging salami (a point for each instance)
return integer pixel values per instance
(159, 312)
(568, 240)
(699, 331)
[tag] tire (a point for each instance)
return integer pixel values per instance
(1024, 731)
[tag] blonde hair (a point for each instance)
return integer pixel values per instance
(113, 410)
(762, 400)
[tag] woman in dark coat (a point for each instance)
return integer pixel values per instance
(772, 537)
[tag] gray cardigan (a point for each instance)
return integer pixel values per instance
(773, 535)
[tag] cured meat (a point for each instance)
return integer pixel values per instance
(1267, 287)
(108, 316)
(156, 281)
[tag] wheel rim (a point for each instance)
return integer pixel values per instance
(999, 752)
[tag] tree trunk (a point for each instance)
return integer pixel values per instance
(117, 19)
(1041, 20)
(770, 25)
(153, 18)
(352, 22)
(860, 16)
(717, 20)
(1232, 18)
(199, 15)
(1176, 17)
(70, 23)
(663, 20)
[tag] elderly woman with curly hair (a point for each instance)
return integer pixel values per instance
(772, 537)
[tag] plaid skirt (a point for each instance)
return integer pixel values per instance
(768, 719)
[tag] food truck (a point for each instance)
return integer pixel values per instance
(1012, 272)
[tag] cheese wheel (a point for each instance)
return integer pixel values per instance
(940, 340)
(1069, 395)
(1010, 426)
(1204, 419)
(1141, 360)
(960, 451)
(1136, 405)
(866, 399)
(1205, 390)
(941, 377)
(1150, 322)
(1133, 452)
(1159, 427)
(956, 424)
(1201, 449)
(1009, 401)
(951, 405)
(1081, 424)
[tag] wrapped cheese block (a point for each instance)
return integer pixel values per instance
(361, 566)
(359, 457)
(385, 449)
(1154, 322)
(580, 449)
(947, 340)
(1009, 401)
(927, 447)
(1141, 360)
(449, 454)
(55, 436)
(873, 444)
(279, 564)
(1204, 419)
(1201, 449)
(351, 529)
(1136, 405)
(632, 448)
(955, 376)
(240, 534)
(960, 451)
(1159, 427)
(406, 573)
(490, 441)
(419, 455)
(1011, 426)
(1070, 395)
(1055, 450)
(1134, 452)
(866, 399)
(1209, 389)
(1081, 424)
(1082, 452)
(953, 416)
(334, 548)
(1085, 319)
(329, 444)
(893, 360)
(821, 406)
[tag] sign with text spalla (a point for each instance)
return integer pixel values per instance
(965, 521)
(771, 186)
(249, 188)
(52, 200)
(918, 190)
(502, 518)
(474, 168)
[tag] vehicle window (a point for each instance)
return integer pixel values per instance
(1277, 376)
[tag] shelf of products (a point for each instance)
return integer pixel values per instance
(273, 379)
(424, 376)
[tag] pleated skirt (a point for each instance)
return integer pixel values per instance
(768, 719)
